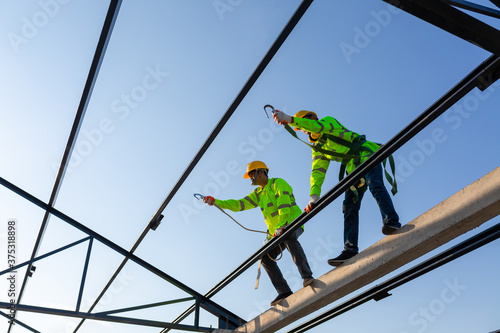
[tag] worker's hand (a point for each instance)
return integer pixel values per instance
(209, 200)
(282, 118)
(279, 232)
(312, 203)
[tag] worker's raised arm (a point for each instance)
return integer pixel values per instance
(327, 125)
(248, 202)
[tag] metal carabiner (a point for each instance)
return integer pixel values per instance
(201, 197)
(269, 106)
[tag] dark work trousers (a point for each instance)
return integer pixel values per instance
(298, 256)
(375, 183)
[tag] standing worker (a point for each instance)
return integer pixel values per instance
(351, 149)
(276, 201)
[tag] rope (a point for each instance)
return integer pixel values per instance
(264, 232)
(222, 210)
(198, 196)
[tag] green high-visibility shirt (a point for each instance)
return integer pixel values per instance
(276, 201)
(320, 161)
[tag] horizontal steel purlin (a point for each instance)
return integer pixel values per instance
(100, 317)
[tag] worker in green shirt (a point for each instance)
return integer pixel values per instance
(351, 149)
(275, 199)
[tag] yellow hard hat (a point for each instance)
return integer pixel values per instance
(302, 114)
(255, 165)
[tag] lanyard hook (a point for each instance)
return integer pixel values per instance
(269, 106)
(198, 196)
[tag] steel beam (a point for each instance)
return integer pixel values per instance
(474, 7)
(454, 21)
(455, 252)
(102, 317)
(145, 306)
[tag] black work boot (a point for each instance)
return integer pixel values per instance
(280, 297)
(344, 255)
(308, 281)
(389, 228)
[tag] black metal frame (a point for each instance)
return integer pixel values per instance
(474, 7)
(201, 301)
(226, 318)
(439, 13)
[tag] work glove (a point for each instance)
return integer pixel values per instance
(209, 200)
(279, 232)
(312, 203)
(282, 118)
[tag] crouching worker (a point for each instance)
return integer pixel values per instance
(335, 141)
(276, 201)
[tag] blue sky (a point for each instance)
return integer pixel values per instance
(171, 70)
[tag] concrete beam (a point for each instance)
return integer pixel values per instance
(462, 212)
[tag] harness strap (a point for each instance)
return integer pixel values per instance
(354, 153)
(391, 180)
(260, 263)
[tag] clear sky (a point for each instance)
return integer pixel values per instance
(171, 70)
